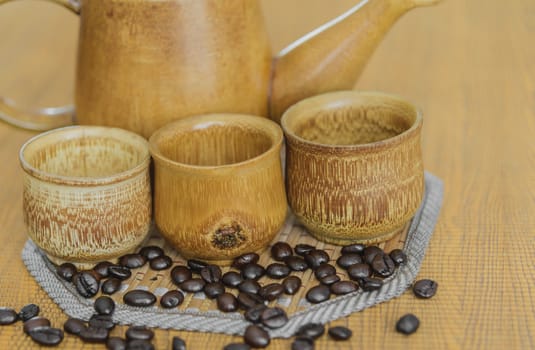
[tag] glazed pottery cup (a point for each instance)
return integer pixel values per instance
(218, 184)
(86, 194)
(354, 165)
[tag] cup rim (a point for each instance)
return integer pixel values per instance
(339, 97)
(276, 134)
(78, 131)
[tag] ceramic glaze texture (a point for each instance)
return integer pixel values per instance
(354, 165)
(86, 194)
(219, 190)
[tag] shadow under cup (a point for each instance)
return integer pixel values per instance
(354, 165)
(218, 186)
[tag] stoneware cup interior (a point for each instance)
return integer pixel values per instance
(219, 190)
(354, 165)
(86, 193)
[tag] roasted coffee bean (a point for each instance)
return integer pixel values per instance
(369, 284)
(120, 272)
(138, 344)
(86, 283)
(340, 333)
(303, 249)
(227, 302)
(179, 343)
(8, 316)
(74, 326)
(343, 287)
(132, 261)
(179, 274)
(151, 252)
(248, 300)
(139, 297)
(116, 343)
(277, 270)
(303, 343)
(139, 333)
(213, 290)
(318, 294)
(280, 251)
(47, 336)
(398, 256)
(253, 314)
(353, 248)
(316, 257)
(161, 263)
(94, 335)
(232, 279)
(329, 279)
(28, 311)
(370, 253)
(408, 324)
(193, 285)
(256, 337)
(237, 346)
(296, 263)
(249, 286)
(66, 271)
(358, 271)
(324, 270)
(34, 323)
(101, 321)
(196, 265)
(102, 268)
(383, 265)
(171, 299)
(311, 330)
(242, 260)
(291, 285)
(274, 317)
(425, 288)
(211, 273)
(271, 291)
(346, 260)
(252, 271)
(110, 286)
(104, 305)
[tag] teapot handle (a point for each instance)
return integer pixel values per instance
(44, 118)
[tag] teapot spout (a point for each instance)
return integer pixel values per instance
(333, 56)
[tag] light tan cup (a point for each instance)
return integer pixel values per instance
(86, 195)
(354, 165)
(218, 184)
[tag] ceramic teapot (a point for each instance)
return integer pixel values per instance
(143, 63)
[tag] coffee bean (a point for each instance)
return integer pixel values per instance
(358, 271)
(277, 270)
(318, 294)
(296, 263)
(256, 337)
(102, 268)
(116, 343)
(280, 251)
(253, 314)
(291, 285)
(370, 253)
(324, 270)
(398, 256)
(120, 272)
(425, 288)
(104, 305)
(94, 335)
(74, 326)
(353, 248)
(249, 286)
(139, 333)
(303, 343)
(178, 343)
(407, 324)
(248, 300)
(303, 249)
(66, 271)
(171, 299)
(111, 286)
(271, 291)
(34, 323)
(193, 285)
(8, 316)
(86, 283)
(180, 273)
(316, 257)
(340, 333)
(132, 261)
(369, 284)
(343, 287)
(28, 311)
(211, 273)
(138, 344)
(232, 279)
(213, 290)
(242, 260)
(311, 330)
(227, 302)
(139, 297)
(274, 317)
(237, 346)
(346, 260)
(196, 265)
(329, 279)
(47, 336)
(161, 263)
(252, 271)
(101, 321)
(383, 265)
(151, 252)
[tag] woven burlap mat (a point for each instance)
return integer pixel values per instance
(198, 313)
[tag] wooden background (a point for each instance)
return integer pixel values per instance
(470, 66)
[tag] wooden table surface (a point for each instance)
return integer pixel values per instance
(469, 65)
